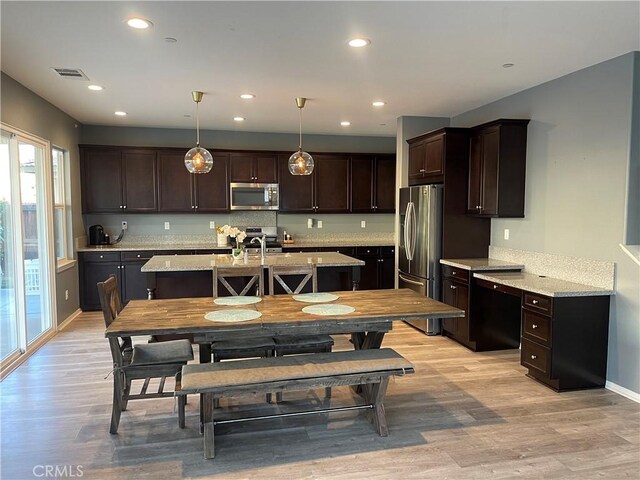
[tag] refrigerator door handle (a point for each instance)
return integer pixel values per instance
(413, 282)
(406, 232)
(414, 229)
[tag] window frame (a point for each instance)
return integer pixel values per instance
(60, 156)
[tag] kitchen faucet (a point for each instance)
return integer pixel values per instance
(263, 245)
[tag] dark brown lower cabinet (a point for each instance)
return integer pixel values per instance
(94, 268)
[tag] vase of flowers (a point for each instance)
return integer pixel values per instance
(237, 237)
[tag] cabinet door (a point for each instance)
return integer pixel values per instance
(490, 158)
(296, 191)
(387, 272)
(385, 184)
(362, 178)
(434, 156)
(417, 153)
(266, 168)
(462, 302)
(449, 297)
(241, 166)
(475, 175)
(102, 180)
(212, 189)
(91, 274)
(134, 282)
(331, 183)
(369, 272)
(175, 183)
(139, 181)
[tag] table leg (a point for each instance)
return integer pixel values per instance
(355, 278)
(362, 341)
(205, 357)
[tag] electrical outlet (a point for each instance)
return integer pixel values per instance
(363, 224)
(167, 226)
(309, 222)
(212, 225)
(319, 223)
(124, 225)
(506, 234)
(66, 294)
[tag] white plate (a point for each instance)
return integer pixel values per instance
(315, 297)
(328, 309)
(245, 300)
(233, 315)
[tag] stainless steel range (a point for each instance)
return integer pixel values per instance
(271, 236)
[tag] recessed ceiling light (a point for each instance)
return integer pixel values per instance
(345, 124)
(139, 23)
(247, 96)
(120, 113)
(378, 103)
(95, 88)
(359, 42)
(238, 119)
(507, 65)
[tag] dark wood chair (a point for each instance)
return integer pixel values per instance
(299, 344)
(140, 362)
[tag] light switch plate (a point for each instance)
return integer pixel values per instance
(167, 226)
(309, 222)
(319, 223)
(363, 224)
(212, 225)
(506, 234)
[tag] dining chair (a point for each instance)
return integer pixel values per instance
(140, 362)
(287, 276)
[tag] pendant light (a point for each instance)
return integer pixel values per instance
(198, 159)
(300, 163)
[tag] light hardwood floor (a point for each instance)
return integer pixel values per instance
(463, 415)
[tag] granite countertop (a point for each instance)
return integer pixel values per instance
(189, 263)
(141, 247)
(481, 264)
(339, 243)
(551, 287)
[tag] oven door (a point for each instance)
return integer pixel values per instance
(254, 196)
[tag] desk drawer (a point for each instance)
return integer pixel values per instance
(536, 327)
(537, 302)
(536, 356)
(453, 272)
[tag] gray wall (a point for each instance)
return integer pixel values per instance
(21, 108)
(578, 152)
(633, 188)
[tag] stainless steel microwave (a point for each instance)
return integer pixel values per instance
(254, 196)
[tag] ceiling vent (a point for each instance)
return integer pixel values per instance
(70, 73)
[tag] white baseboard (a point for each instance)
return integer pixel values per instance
(625, 392)
(69, 319)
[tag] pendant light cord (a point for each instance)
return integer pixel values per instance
(300, 146)
(197, 125)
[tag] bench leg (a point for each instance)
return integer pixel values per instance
(376, 397)
(182, 400)
(209, 451)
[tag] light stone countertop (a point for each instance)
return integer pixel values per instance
(551, 287)
(481, 264)
(143, 247)
(338, 244)
(189, 263)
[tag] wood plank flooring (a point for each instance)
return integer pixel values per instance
(462, 415)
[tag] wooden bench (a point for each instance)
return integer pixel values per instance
(370, 368)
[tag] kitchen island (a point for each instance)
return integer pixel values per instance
(191, 276)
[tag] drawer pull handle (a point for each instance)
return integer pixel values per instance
(533, 357)
(534, 326)
(454, 273)
(138, 255)
(453, 287)
(101, 256)
(495, 286)
(535, 302)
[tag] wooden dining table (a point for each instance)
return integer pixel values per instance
(374, 314)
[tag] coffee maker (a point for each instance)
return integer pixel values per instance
(97, 235)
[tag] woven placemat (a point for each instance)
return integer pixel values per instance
(315, 297)
(328, 309)
(244, 300)
(233, 315)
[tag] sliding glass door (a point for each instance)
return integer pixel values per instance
(26, 267)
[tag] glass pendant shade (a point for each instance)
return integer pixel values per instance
(198, 160)
(300, 163)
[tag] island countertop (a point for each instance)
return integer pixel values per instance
(190, 263)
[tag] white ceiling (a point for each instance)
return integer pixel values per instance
(426, 58)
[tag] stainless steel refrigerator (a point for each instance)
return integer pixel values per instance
(420, 245)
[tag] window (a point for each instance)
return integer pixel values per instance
(59, 205)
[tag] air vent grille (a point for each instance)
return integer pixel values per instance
(70, 73)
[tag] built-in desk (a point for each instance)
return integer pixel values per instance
(562, 327)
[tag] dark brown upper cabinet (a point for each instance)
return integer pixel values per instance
(118, 180)
(254, 168)
(373, 183)
(181, 191)
(497, 165)
(426, 158)
(325, 190)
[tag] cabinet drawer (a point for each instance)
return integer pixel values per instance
(536, 327)
(536, 356)
(366, 251)
(101, 256)
(497, 287)
(143, 255)
(174, 252)
(457, 273)
(537, 302)
(349, 251)
(387, 251)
